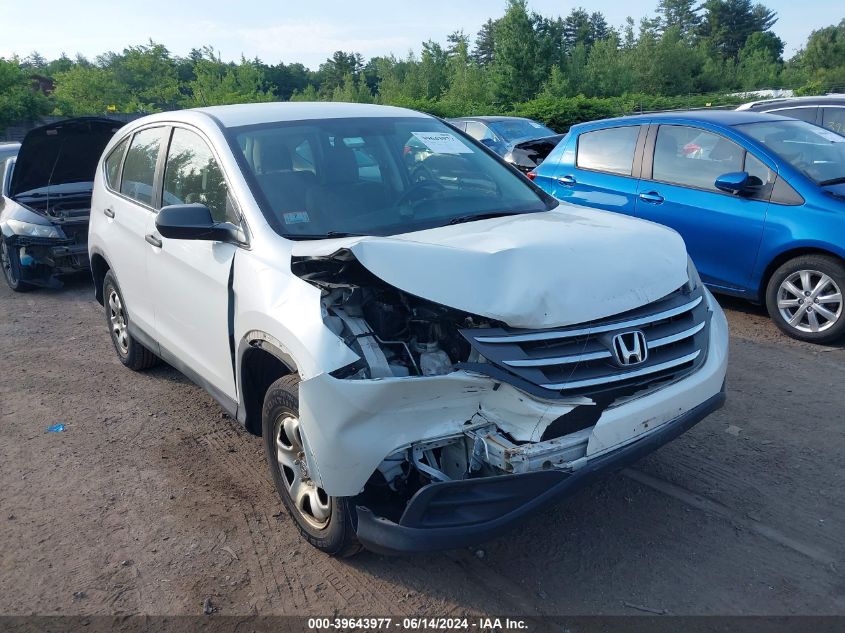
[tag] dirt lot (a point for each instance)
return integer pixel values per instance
(152, 500)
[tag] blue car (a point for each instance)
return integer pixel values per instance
(758, 198)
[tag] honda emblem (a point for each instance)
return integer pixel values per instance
(630, 348)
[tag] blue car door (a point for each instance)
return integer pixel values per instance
(722, 231)
(600, 169)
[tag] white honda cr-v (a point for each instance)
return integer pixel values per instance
(430, 346)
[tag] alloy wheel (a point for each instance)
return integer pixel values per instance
(312, 503)
(810, 301)
(117, 318)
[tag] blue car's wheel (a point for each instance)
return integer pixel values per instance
(804, 298)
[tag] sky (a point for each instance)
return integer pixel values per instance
(307, 31)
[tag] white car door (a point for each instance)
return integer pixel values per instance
(189, 279)
(129, 212)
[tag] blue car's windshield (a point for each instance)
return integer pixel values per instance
(374, 176)
(514, 130)
(818, 153)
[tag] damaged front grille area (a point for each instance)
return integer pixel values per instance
(661, 341)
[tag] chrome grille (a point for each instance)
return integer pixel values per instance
(580, 359)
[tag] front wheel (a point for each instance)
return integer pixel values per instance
(10, 260)
(324, 521)
(804, 298)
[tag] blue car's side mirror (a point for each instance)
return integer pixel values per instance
(733, 182)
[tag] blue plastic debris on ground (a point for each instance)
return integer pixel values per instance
(56, 428)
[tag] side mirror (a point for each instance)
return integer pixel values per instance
(733, 182)
(193, 222)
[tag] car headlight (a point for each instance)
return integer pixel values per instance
(33, 230)
(692, 274)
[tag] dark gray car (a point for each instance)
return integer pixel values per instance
(46, 201)
(521, 142)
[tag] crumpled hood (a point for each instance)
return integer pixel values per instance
(539, 270)
(61, 153)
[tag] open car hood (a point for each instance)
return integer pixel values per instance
(528, 154)
(538, 270)
(61, 153)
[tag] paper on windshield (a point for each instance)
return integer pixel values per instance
(442, 143)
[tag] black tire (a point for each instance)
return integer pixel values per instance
(337, 536)
(830, 330)
(130, 352)
(10, 262)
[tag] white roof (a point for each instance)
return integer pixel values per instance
(253, 113)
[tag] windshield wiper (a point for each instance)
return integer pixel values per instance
(483, 216)
(323, 236)
(832, 181)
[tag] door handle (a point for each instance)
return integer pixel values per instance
(152, 239)
(567, 181)
(108, 213)
(652, 197)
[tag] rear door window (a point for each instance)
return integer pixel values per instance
(140, 165)
(691, 157)
(610, 150)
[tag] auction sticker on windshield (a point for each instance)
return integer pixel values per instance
(442, 143)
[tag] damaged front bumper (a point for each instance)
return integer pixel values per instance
(453, 514)
(41, 259)
(351, 427)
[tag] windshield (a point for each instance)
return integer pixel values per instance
(374, 176)
(513, 130)
(818, 153)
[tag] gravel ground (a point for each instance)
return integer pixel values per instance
(153, 501)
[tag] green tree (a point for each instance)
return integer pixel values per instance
(18, 99)
(666, 65)
(515, 56)
(353, 90)
(467, 82)
(485, 44)
(285, 79)
(148, 74)
(682, 14)
(607, 72)
(84, 90)
(727, 24)
(333, 71)
(820, 66)
(218, 83)
(825, 48)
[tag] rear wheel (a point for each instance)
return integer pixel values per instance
(130, 352)
(11, 263)
(324, 521)
(804, 298)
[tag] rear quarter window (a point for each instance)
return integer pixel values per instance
(115, 158)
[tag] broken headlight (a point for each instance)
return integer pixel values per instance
(694, 280)
(33, 230)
